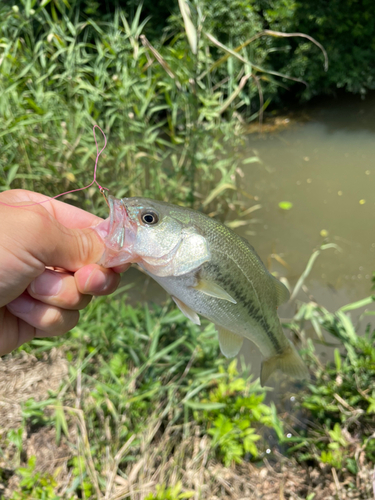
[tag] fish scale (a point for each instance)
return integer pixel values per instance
(209, 270)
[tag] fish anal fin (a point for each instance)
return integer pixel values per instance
(187, 311)
(282, 292)
(230, 343)
(213, 290)
(289, 362)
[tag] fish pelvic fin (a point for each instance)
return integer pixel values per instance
(289, 362)
(187, 311)
(230, 343)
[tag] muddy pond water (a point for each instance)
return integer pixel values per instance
(324, 164)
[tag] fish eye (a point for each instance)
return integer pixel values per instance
(150, 217)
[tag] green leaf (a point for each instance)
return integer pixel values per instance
(215, 192)
(191, 32)
(252, 159)
(60, 422)
(337, 359)
(285, 205)
(358, 304)
(12, 172)
(371, 407)
(204, 406)
(249, 445)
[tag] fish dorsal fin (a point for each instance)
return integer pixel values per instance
(282, 292)
(213, 290)
(230, 343)
(187, 311)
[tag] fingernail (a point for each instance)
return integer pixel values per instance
(22, 305)
(97, 281)
(48, 283)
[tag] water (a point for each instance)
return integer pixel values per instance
(325, 166)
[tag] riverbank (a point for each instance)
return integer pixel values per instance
(189, 470)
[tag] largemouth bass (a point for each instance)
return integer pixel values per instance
(208, 270)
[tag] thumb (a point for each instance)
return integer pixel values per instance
(72, 249)
(37, 232)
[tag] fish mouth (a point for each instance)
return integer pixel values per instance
(118, 234)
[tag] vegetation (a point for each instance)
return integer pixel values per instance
(340, 401)
(136, 401)
(345, 28)
(139, 375)
(60, 74)
(147, 404)
(64, 67)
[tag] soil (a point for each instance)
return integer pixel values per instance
(24, 377)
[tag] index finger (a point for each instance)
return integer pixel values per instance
(65, 214)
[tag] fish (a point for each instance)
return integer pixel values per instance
(209, 271)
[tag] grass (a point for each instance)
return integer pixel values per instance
(340, 400)
(136, 402)
(58, 76)
(142, 385)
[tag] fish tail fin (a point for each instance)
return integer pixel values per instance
(289, 362)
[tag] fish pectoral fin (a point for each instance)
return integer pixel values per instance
(289, 362)
(230, 343)
(187, 311)
(282, 292)
(213, 290)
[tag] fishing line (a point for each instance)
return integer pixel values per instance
(94, 181)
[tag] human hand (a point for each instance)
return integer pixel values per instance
(36, 301)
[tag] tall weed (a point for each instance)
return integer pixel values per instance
(339, 403)
(172, 119)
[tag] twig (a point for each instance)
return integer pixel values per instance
(67, 482)
(309, 266)
(249, 63)
(282, 497)
(337, 483)
(234, 94)
(344, 403)
(266, 33)
(118, 458)
(87, 451)
(189, 365)
(271, 469)
(219, 84)
(225, 485)
(160, 60)
(303, 35)
(124, 493)
(79, 388)
(261, 101)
